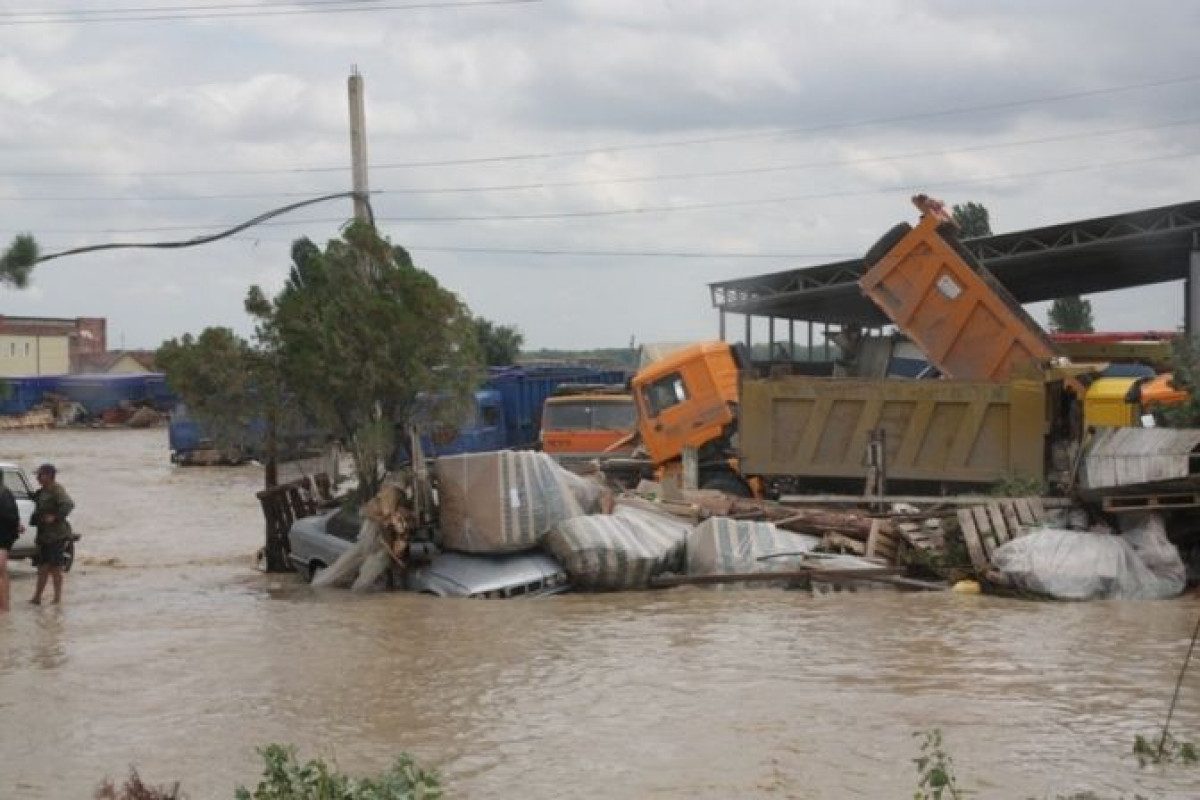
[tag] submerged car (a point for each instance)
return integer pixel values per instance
(22, 488)
(316, 542)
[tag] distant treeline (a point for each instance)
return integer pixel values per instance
(618, 357)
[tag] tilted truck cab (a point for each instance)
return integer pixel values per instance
(688, 399)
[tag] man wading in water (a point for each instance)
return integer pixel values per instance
(53, 504)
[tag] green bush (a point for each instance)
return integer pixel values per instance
(285, 778)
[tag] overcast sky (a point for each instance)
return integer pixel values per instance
(818, 118)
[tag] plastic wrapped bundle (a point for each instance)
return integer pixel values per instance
(722, 546)
(506, 501)
(1139, 564)
(622, 550)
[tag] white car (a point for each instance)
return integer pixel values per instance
(22, 488)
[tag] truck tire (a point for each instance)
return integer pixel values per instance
(726, 482)
(886, 243)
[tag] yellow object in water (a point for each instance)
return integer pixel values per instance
(968, 587)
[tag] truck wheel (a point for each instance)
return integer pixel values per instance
(726, 482)
(886, 243)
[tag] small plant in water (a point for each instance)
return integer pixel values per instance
(1148, 751)
(135, 789)
(935, 770)
(285, 778)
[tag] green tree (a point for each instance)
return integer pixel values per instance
(18, 260)
(361, 335)
(1071, 315)
(230, 387)
(499, 344)
(973, 220)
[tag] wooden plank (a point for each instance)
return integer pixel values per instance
(999, 524)
(1024, 511)
(1150, 502)
(912, 499)
(845, 544)
(984, 525)
(966, 522)
(1039, 510)
(1009, 510)
(881, 574)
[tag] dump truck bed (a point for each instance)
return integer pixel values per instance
(944, 431)
(968, 324)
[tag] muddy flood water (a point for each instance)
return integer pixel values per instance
(173, 654)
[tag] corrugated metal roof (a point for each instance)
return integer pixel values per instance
(1125, 457)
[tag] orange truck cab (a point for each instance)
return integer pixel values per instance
(689, 399)
(587, 425)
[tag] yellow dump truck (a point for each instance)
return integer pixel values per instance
(996, 413)
(776, 433)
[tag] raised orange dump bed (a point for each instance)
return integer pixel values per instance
(967, 324)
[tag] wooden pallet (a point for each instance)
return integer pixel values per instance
(987, 526)
(1150, 502)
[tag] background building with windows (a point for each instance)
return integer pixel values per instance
(49, 345)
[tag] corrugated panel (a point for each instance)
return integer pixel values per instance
(1122, 457)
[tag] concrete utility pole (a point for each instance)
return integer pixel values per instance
(358, 146)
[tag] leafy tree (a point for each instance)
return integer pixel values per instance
(1185, 375)
(972, 219)
(1072, 315)
(231, 388)
(361, 334)
(500, 344)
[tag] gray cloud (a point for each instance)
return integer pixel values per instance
(256, 95)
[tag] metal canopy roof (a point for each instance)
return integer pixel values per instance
(1092, 255)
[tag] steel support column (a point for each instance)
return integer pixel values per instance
(1191, 297)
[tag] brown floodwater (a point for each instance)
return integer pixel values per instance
(173, 654)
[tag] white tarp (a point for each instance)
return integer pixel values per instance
(1138, 564)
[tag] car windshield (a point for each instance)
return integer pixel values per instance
(14, 479)
(345, 524)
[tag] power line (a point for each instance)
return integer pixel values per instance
(34, 258)
(777, 132)
(557, 215)
(642, 178)
(71, 12)
(300, 8)
(620, 253)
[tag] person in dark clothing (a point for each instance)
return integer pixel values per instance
(52, 505)
(10, 529)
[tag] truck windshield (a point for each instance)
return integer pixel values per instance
(614, 416)
(575, 416)
(664, 393)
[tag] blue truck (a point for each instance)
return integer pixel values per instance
(507, 409)
(506, 412)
